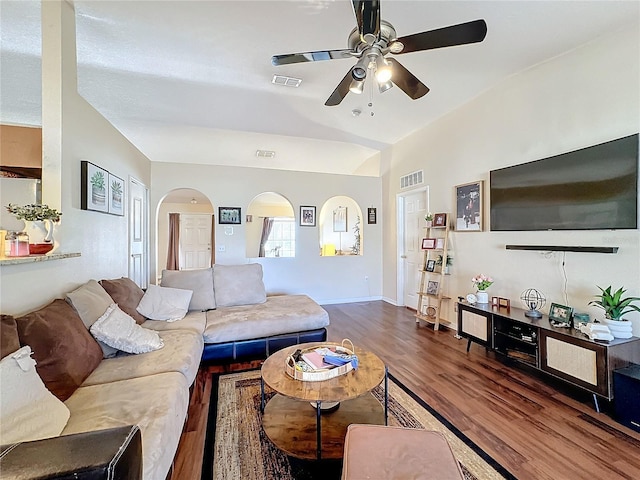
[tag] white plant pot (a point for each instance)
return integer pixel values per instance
(482, 296)
(619, 328)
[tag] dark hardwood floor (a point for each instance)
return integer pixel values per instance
(534, 427)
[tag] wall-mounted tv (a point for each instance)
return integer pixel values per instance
(595, 188)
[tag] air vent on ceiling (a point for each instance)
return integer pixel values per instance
(412, 179)
(286, 81)
(265, 153)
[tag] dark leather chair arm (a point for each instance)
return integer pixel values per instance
(113, 454)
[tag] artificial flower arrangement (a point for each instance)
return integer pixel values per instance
(482, 282)
(34, 212)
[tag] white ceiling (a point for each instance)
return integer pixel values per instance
(190, 81)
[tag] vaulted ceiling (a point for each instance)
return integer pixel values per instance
(191, 81)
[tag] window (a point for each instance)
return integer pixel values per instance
(282, 239)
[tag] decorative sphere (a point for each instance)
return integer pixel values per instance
(533, 299)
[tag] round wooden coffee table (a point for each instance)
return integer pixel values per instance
(302, 431)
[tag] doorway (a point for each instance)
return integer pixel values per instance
(412, 208)
(138, 233)
(195, 240)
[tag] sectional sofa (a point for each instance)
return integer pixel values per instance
(220, 314)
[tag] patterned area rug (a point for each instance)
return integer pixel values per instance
(241, 450)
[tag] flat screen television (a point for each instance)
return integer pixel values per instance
(595, 188)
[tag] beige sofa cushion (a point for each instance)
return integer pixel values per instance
(278, 315)
(238, 285)
(199, 281)
(157, 403)
(181, 353)
(194, 321)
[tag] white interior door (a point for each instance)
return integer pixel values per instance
(195, 241)
(138, 250)
(415, 208)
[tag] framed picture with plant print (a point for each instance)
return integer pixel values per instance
(94, 187)
(116, 195)
(307, 216)
(229, 215)
(469, 207)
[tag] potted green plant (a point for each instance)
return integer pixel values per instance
(98, 193)
(447, 265)
(429, 219)
(615, 306)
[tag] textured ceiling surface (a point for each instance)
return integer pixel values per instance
(190, 81)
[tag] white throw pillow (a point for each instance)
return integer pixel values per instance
(119, 330)
(164, 303)
(91, 301)
(28, 411)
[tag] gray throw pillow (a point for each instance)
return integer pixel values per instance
(238, 285)
(199, 281)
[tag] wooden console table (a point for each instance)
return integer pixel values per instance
(564, 353)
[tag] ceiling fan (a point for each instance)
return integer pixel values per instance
(372, 40)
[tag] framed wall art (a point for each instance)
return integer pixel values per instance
(469, 207)
(307, 216)
(116, 195)
(94, 187)
(229, 215)
(372, 217)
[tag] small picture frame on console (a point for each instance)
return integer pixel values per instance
(504, 303)
(495, 301)
(560, 315)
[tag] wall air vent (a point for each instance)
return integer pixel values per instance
(286, 81)
(412, 179)
(265, 153)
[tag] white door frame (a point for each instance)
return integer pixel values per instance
(145, 232)
(400, 235)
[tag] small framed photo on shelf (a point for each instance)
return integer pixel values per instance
(440, 243)
(431, 266)
(560, 315)
(504, 303)
(428, 243)
(432, 287)
(439, 219)
(307, 216)
(495, 301)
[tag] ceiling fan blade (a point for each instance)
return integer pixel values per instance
(407, 81)
(340, 92)
(463, 33)
(310, 56)
(368, 19)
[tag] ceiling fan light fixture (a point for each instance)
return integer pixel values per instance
(357, 86)
(383, 70)
(384, 86)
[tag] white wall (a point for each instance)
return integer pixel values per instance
(588, 96)
(75, 132)
(325, 279)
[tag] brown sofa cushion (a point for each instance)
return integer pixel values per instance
(127, 295)
(63, 347)
(9, 341)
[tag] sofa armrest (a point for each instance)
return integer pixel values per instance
(115, 453)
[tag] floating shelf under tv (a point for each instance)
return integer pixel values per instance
(563, 248)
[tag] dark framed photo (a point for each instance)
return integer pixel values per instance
(439, 219)
(372, 218)
(307, 216)
(495, 301)
(432, 287)
(116, 195)
(229, 215)
(428, 243)
(431, 266)
(469, 207)
(94, 187)
(504, 303)
(560, 313)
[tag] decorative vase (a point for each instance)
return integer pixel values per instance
(429, 223)
(40, 236)
(482, 296)
(619, 328)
